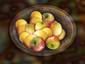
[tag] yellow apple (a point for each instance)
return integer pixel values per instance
(35, 20)
(36, 14)
(62, 35)
(20, 29)
(20, 22)
(23, 35)
(56, 28)
(30, 28)
(27, 40)
(48, 31)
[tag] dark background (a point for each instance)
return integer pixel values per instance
(10, 54)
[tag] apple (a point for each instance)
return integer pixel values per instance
(38, 44)
(62, 35)
(20, 22)
(56, 28)
(23, 35)
(27, 40)
(53, 43)
(48, 18)
(20, 29)
(48, 31)
(30, 28)
(35, 20)
(39, 25)
(36, 14)
(41, 34)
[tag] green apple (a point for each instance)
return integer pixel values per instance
(53, 43)
(39, 25)
(48, 18)
(56, 28)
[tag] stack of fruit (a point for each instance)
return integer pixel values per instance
(42, 31)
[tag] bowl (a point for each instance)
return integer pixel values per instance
(60, 15)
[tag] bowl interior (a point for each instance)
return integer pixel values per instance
(60, 15)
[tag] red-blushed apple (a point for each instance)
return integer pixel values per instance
(38, 44)
(48, 18)
(53, 43)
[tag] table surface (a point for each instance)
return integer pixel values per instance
(10, 54)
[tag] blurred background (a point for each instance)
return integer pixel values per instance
(10, 54)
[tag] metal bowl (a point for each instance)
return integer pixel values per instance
(60, 15)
